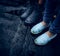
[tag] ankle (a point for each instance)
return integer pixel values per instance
(44, 23)
(49, 33)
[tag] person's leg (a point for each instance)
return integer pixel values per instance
(49, 10)
(55, 27)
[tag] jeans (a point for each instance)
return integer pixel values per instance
(50, 8)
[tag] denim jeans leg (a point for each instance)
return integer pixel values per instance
(55, 27)
(50, 7)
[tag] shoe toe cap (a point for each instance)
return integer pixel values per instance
(39, 42)
(34, 30)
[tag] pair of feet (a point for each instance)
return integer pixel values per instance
(44, 38)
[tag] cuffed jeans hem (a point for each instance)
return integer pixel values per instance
(50, 30)
(46, 21)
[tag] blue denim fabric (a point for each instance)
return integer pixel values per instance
(50, 8)
(55, 27)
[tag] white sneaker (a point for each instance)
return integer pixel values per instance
(38, 28)
(44, 39)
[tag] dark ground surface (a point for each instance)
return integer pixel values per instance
(16, 39)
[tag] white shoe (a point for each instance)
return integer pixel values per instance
(38, 28)
(44, 39)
